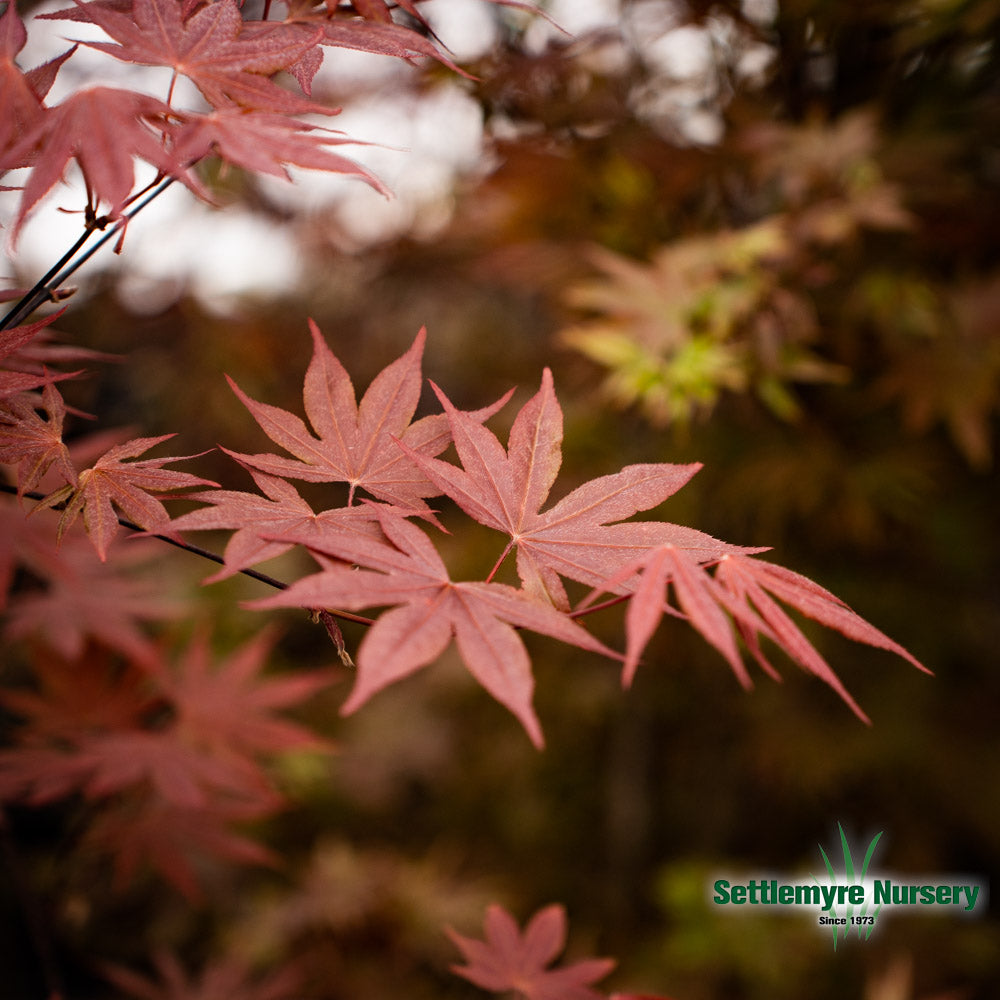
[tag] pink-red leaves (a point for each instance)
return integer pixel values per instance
(744, 587)
(171, 753)
(697, 594)
(225, 979)
(356, 444)
(102, 128)
(207, 47)
(34, 442)
(511, 960)
(113, 482)
(757, 582)
(504, 489)
(429, 610)
(263, 142)
(261, 524)
(230, 708)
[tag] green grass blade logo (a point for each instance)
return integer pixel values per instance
(860, 920)
(852, 901)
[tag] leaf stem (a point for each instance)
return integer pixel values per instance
(499, 562)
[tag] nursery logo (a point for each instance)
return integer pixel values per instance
(854, 898)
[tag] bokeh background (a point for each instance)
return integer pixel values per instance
(758, 235)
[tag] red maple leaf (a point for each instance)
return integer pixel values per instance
(209, 48)
(357, 443)
(511, 960)
(32, 442)
(74, 697)
(261, 525)
(141, 832)
(504, 489)
(85, 598)
(226, 706)
(744, 588)
(18, 352)
(429, 611)
(21, 107)
(757, 582)
(112, 482)
(221, 979)
(103, 129)
(698, 596)
(262, 142)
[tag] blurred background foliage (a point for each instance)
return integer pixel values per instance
(778, 258)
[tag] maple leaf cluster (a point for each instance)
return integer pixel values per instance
(249, 121)
(374, 554)
(104, 484)
(171, 754)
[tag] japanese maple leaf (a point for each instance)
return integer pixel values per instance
(113, 482)
(744, 588)
(511, 960)
(21, 107)
(221, 979)
(75, 697)
(151, 832)
(99, 765)
(208, 48)
(429, 610)
(34, 442)
(357, 443)
(103, 129)
(85, 598)
(13, 342)
(262, 523)
(758, 582)
(504, 489)
(263, 142)
(227, 706)
(700, 598)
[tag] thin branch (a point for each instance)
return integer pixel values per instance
(33, 298)
(47, 287)
(198, 551)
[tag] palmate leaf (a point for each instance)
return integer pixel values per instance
(83, 598)
(356, 443)
(22, 93)
(209, 48)
(221, 979)
(103, 129)
(263, 142)
(511, 960)
(428, 612)
(175, 841)
(741, 593)
(262, 525)
(758, 582)
(32, 442)
(228, 707)
(504, 489)
(112, 482)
